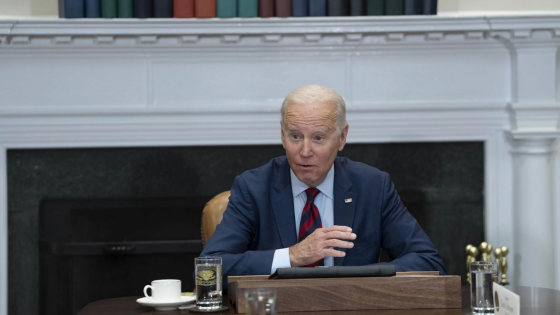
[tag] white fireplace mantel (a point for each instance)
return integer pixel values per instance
(115, 83)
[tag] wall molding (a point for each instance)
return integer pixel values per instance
(413, 31)
(386, 122)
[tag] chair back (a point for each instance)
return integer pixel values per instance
(212, 215)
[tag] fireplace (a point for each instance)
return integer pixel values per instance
(116, 85)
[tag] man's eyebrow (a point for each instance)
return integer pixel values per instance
(320, 130)
(291, 128)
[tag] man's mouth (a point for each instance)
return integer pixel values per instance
(305, 166)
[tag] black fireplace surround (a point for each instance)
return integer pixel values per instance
(89, 224)
(91, 249)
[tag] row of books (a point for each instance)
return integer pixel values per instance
(240, 8)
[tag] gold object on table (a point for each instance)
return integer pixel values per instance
(485, 250)
(472, 252)
(468, 250)
(500, 256)
(504, 265)
(497, 258)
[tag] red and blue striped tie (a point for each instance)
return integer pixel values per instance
(310, 219)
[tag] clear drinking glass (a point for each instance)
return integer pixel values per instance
(260, 302)
(483, 275)
(208, 282)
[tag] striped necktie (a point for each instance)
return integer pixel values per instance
(310, 219)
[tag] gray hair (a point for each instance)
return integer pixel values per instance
(317, 94)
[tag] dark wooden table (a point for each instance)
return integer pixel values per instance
(534, 301)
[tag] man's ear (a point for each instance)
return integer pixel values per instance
(282, 134)
(343, 135)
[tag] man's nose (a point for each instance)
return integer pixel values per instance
(306, 150)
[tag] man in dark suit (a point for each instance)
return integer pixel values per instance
(313, 208)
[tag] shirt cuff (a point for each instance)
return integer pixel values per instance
(281, 259)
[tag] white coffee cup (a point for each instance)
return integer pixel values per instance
(166, 290)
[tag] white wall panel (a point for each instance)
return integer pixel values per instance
(70, 81)
(537, 81)
(431, 76)
(240, 80)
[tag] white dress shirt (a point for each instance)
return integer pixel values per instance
(325, 204)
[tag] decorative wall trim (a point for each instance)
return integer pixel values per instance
(535, 135)
(535, 116)
(174, 126)
(274, 31)
(532, 146)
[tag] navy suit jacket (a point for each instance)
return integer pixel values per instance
(259, 219)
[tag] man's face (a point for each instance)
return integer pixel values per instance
(310, 139)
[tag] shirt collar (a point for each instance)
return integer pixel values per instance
(326, 187)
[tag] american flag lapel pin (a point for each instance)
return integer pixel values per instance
(349, 200)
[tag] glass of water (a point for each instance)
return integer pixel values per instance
(208, 282)
(483, 275)
(260, 302)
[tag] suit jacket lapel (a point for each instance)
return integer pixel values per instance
(343, 210)
(282, 200)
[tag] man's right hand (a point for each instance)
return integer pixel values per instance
(318, 245)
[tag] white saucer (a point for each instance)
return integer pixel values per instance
(165, 306)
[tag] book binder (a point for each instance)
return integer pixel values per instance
(163, 8)
(283, 8)
(300, 8)
(183, 8)
(338, 8)
(357, 7)
(317, 7)
(266, 8)
(93, 8)
(226, 8)
(124, 9)
(108, 9)
(143, 9)
(74, 9)
(248, 8)
(205, 8)
(394, 7)
(375, 7)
